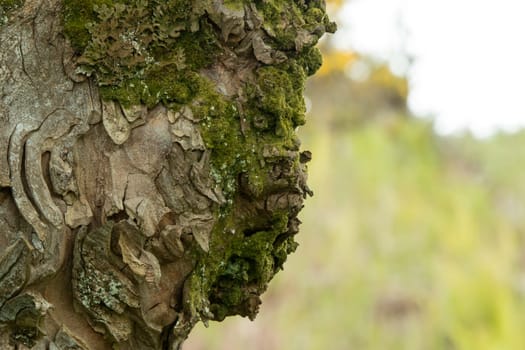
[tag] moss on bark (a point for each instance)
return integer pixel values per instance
(149, 52)
(6, 6)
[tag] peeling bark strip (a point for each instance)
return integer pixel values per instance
(150, 174)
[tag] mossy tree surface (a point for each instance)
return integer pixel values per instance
(168, 175)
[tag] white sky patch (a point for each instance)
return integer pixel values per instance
(469, 56)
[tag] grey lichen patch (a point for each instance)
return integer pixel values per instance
(97, 288)
(100, 287)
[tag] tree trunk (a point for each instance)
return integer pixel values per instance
(150, 175)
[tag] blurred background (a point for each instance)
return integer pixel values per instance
(415, 238)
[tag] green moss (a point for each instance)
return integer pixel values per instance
(241, 266)
(311, 60)
(235, 4)
(284, 19)
(166, 85)
(77, 15)
(128, 93)
(278, 14)
(274, 109)
(7, 6)
(199, 48)
(134, 61)
(233, 152)
(279, 94)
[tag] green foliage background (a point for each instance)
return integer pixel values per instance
(412, 241)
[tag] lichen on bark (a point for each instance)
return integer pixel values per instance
(174, 167)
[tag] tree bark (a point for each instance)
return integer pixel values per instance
(150, 175)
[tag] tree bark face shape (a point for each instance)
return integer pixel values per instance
(150, 175)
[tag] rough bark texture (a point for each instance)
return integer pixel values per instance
(150, 176)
